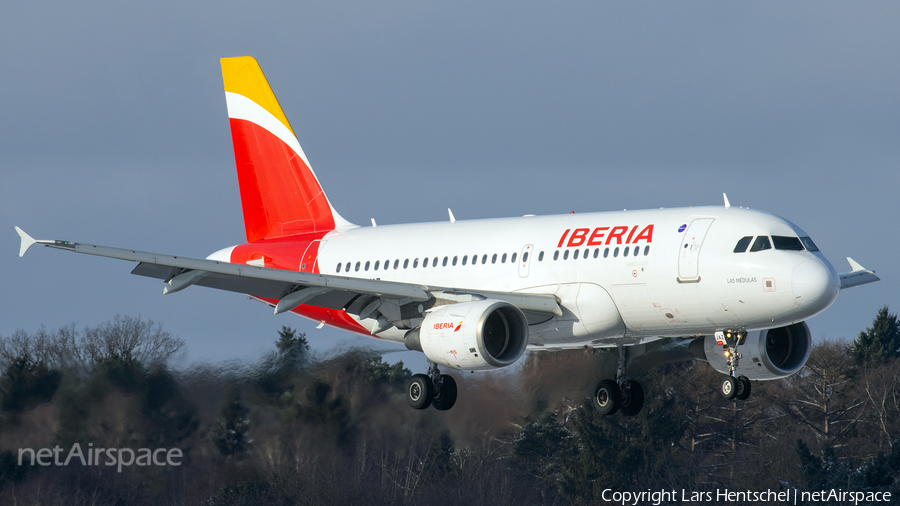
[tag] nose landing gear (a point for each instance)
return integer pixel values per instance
(733, 387)
(432, 389)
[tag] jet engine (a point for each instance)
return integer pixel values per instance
(765, 354)
(474, 336)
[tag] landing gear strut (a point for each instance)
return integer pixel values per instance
(432, 389)
(622, 394)
(733, 387)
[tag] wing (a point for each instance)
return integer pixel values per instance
(291, 289)
(858, 276)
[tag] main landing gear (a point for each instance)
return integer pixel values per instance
(733, 387)
(432, 389)
(622, 394)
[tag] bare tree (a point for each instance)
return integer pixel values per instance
(881, 384)
(822, 396)
(125, 337)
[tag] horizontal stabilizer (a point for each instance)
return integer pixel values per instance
(858, 276)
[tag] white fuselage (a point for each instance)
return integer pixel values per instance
(685, 278)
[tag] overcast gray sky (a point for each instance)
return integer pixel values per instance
(115, 132)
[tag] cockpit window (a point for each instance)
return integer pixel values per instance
(742, 244)
(809, 244)
(761, 243)
(787, 243)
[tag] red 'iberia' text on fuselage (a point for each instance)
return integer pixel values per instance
(605, 235)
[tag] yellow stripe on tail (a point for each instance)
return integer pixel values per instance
(242, 75)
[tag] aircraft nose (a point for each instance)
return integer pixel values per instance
(815, 285)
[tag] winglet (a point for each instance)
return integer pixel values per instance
(27, 241)
(854, 265)
(858, 276)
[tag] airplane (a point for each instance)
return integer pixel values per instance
(728, 285)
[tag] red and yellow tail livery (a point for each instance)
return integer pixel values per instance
(280, 193)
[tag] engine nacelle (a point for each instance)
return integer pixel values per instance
(474, 336)
(765, 355)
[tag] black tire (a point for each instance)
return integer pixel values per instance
(632, 399)
(447, 397)
(419, 391)
(606, 398)
(729, 387)
(743, 388)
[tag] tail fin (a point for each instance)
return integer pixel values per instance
(280, 193)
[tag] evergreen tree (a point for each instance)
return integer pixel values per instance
(879, 342)
(289, 340)
(383, 372)
(825, 472)
(27, 382)
(230, 432)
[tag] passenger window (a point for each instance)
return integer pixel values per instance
(494, 259)
(541, 256)
(425, 263)
(761, 243)
(434, 262)
(606, 253)
(338, 268)
(396, 263)
(367, 265)
(406, 263)
(787, 243)
(347, 267)
(596, 252)
(616, 252)
(742, 244)
(524, 257)
(454, 260)
(646, 250)
(415, 263)
(503, 259)
(465, 258)
(444, 263)
(556, 255)
(377, 263)
(575, 255)
(625, 253)
(637, 249)
(512, 259)
(357, 266)
(566, 254)
(809, 244)
(484, 259)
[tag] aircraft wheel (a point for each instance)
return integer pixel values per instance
(729, 387)
(419, 391)
(447, 397)
(743, 388)
(632, 399)
(606, 397)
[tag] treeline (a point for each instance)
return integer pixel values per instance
(296, 428)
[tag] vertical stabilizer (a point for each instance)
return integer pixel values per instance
(280, 194)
